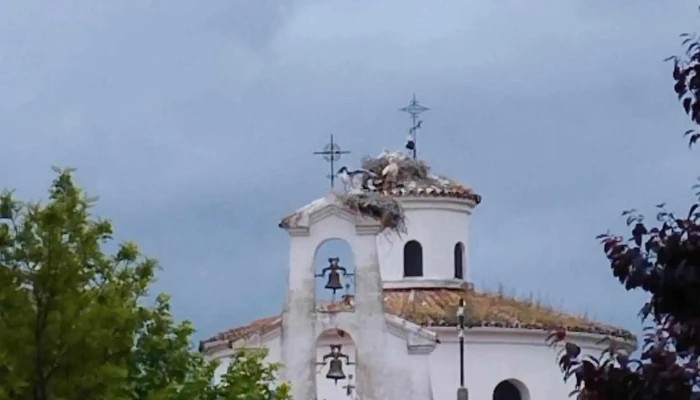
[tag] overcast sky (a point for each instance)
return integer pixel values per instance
(194, 121)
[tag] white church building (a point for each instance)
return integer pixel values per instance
(395, 335)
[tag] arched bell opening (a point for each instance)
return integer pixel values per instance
(511, 389)
(335, 365)
(334, 270)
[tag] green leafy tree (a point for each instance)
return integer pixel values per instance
(74, 323)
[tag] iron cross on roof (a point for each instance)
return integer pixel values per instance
(414, 108)
(331, 153)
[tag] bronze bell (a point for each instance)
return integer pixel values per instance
(334, 281)
(334, 271)
(335, 370)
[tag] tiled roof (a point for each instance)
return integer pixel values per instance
(414, 178)
(437, 307)
(429, 190)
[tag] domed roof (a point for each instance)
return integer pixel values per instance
(437, 307)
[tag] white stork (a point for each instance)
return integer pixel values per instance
(357, 179)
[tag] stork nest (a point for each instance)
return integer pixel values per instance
(413, 178)
(381, 207)
(409, 169)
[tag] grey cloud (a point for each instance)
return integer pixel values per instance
(255, 23)
(195, 124)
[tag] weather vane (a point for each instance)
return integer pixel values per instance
(331, 153)
(414, 108)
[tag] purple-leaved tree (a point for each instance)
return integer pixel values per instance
(663, 260)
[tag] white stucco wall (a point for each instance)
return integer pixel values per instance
(397, 359)
(327, 389)
(437, 224)
(302, 325)
(492, 355)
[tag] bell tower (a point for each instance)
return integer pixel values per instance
(362, 316)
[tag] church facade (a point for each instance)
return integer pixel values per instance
(396, 334)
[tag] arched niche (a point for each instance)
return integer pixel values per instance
(336, 346)
(334, 276)
(412, 259)
(511, 389)
(459, 260)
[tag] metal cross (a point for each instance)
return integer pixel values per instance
(331, 153)
(414, 109)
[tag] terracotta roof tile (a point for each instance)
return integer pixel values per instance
(261, 326)
(437, 307)
(457, 192)
(414, 178)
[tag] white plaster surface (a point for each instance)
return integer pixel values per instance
(397, 359)
(492, 355)
(302, 326)
(437, 224)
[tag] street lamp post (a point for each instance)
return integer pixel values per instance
(462, 393)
